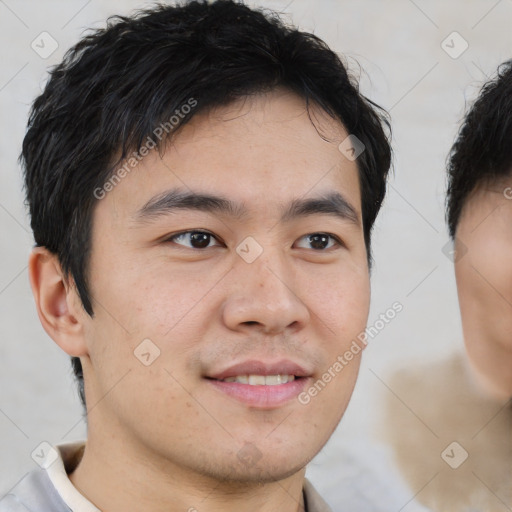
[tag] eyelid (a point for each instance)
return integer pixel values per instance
(338, 241)
(170, 237)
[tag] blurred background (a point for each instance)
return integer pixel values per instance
(421, 60)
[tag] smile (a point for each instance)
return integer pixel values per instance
(261, 380)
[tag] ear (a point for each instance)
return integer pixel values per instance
(58, 305)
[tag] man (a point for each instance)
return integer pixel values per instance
(479, 211)
(202, 183)
(463, 446)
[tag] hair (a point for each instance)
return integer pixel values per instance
(482, 152)
(118, 84)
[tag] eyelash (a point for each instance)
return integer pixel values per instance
(334, 238)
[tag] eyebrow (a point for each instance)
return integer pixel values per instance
(176, 199)
(332, 203)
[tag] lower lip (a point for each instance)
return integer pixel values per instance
(264, 397)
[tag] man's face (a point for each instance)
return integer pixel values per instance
(484, 283)
(267, 276)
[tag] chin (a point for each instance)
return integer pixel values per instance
(262, 474)
(495, 386)
(250, 466)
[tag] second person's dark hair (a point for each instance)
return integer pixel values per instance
(482, 152)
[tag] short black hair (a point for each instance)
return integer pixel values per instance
(482, 152)
(118, 84)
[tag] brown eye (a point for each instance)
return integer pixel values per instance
(200, 240)
(195, 239)
(317, 241)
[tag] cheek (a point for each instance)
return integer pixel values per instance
(144, 317)
(341, 301)
(153, 299)
(484, 284)
(489, 275)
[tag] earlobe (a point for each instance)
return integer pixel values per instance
(56, 302)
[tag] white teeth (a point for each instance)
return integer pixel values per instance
(261, 380)
(272, 380)
(257, 380)
(243, 379)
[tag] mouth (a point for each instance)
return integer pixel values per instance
(260, 380)
(261, 385)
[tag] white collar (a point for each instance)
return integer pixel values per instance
(56, 461)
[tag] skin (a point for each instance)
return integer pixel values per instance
(161, 437)
(484, 284)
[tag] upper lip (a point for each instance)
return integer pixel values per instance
(255, 367)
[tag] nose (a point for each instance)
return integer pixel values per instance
(264, 296)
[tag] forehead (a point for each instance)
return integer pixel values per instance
(489, 191)
(486, 206)
(261, 150)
